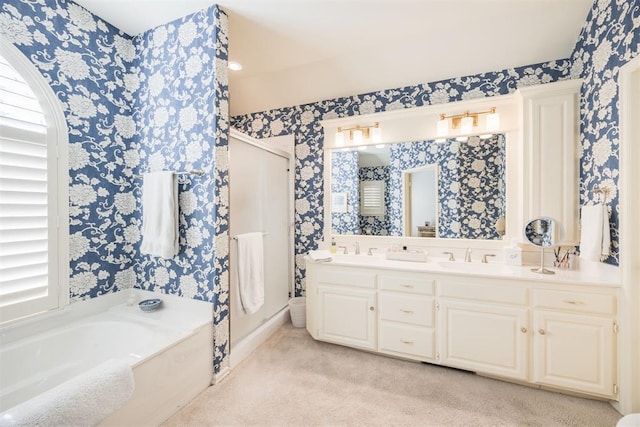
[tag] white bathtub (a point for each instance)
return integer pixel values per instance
(170, 351)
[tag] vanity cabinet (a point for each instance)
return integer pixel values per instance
(484, 327)
(574, 340)
(347, 316)
(406, 316)
(549, 334)
(346, 307)
(550, 149)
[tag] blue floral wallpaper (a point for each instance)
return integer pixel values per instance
(303, 122)
(156, 101)
(372, 225)
(181, 111)
(88, 64)
(471, 184)
(610, 38)
(344, 179)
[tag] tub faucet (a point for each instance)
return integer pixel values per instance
(357, 245)
(467, 255)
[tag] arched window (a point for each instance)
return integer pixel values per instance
(34, 261)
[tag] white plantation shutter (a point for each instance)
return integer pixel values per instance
(29, 241)
(372, 198)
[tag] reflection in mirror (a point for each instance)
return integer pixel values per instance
(420, 201)
(468, 196)
(543, 232)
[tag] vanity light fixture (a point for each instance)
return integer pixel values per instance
(467, 121)
(358, 134)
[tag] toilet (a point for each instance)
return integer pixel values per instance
(631, 420)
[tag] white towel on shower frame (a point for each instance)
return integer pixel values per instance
(251, 271)
(160, 214)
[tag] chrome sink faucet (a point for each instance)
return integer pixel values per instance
(346, 252)
(451, 257)
(467, 255)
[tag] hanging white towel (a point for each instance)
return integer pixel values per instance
(84, 400)
(251, 271)
(160, 214)
(595, 237)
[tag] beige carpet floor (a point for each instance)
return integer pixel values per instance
(292, 380)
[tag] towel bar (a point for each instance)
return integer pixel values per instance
(264, 233)
(191, 172)
(603, 191)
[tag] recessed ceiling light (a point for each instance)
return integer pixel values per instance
(234, 66)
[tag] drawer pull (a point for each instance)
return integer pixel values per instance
(406, 342)
(523, 330)
(407, 286)
(406, 311)
(541, 331)
(573, 302)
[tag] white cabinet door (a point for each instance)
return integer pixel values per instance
(347, 316)
(575, 352)
(482, 337)
(549, 153)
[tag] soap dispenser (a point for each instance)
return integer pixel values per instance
(334, 247)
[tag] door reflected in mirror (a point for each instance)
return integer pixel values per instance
(464, 198)
(420, 191)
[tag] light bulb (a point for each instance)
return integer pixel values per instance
(493, 122)
(357, 137)
(376, 134)
(443, 127)
(339, 139)
(466, 125)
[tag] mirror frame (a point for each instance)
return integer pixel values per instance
(413, 124)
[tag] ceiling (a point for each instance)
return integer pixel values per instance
(299, 51)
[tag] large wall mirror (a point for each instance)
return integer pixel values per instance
(452, 189)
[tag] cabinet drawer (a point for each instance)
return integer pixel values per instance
(575, 301)
(413, 309)
(346, 276)
(415, 283)
(485, 292)
(406, 339)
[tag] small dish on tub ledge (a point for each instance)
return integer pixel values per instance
(149, 305)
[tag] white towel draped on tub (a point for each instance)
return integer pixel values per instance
(251, 271)
(595, 237)
(160, 214)
(82, 401)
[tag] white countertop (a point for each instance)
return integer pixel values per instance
(589, 272)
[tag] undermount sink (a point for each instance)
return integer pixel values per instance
(475, 267)
(357, 259)
(412, 256)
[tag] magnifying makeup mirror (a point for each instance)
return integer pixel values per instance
(543, 232)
